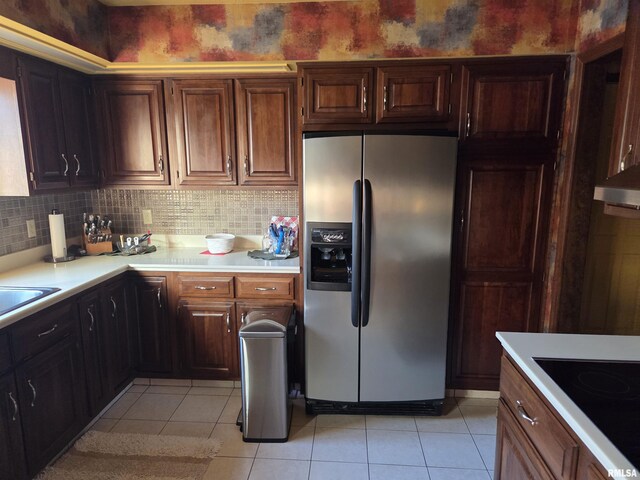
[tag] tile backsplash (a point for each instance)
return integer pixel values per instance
(174, 212)
(15, 211)
(194, 212)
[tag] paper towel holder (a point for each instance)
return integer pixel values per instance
(51, 258)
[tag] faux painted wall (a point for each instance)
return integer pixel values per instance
(81, 23)
(599, 20)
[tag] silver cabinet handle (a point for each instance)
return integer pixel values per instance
(364, 98)
(242, 318)
(228, 165)
(66, 165)
(246, 165)
(228, 323)
(75, 157)
(468, 123)
(626, 155)
(523, 414)
(384, 98)
(200, 287)
(51, 330)
(207, 314)
(15, 406)
(93, 320)
(265, 289)
(159, 295)
(33, 389)
(114, 312)
(161, 164)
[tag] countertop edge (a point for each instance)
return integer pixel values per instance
(599, 445)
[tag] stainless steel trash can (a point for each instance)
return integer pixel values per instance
(266, 409)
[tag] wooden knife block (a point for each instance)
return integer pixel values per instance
(100, 247)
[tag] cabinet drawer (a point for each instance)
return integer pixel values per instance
(205, 286)
(41, 330)
(554, 444)
(261, 287)
(5, 353)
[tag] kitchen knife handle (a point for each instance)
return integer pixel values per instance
(356, 217)
(366, 251)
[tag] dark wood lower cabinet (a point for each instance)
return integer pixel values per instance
(51, 391)
(12, 464)
(155, 352)
(210, 345)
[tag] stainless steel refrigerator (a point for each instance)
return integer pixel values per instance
(378, 214)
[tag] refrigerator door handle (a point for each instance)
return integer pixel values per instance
(366, 252)
(356, 239)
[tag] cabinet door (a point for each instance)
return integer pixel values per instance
(209, 334)
(154, 332)
(413, 94)
(337, 95)
(118, 332)
(625, 144)
(93, 349)
(203, 112)
(519, 100)
(52, 401)
(134, 132)
(515, 456)
(48, 160)
(499, 262)
(79, 129)
(12, 464)
(266, 131)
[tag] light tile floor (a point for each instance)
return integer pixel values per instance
(459, 445)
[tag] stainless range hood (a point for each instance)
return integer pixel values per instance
(623, 188)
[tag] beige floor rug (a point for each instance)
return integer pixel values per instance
(126, 456)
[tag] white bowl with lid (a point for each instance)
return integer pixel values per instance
(218, 243)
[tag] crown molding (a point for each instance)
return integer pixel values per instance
(27, 40)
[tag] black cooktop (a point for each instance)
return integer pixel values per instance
(608, 393)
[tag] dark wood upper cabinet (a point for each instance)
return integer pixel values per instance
(133, 140)
(339, 94)
(413, 93)
(625, 144)
(514, 100)
(203, 113)
(58, 111)
(12, 463)
(265, 131)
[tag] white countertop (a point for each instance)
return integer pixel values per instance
(524, 347)
(85, 272)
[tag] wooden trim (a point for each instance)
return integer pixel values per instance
(602, 49)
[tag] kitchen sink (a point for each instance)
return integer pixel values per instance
(15, 297)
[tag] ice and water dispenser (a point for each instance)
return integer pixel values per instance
(329, 256)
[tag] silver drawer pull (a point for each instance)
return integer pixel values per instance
(159, 298)
(243, 318)
(200, 287)
(15, 406)
(523, 414)
(207, 314)
(51, 330)
(228, 323)
(114, 311)
(33, 389)
(265, 289)
(93, 320)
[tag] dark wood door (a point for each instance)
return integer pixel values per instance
(12, 464)
(118, 330)
(154, 330)
(51, 388)
(48, 159)
(131, 113)
(501, 235)
(203, 111)
(516, 458)
(521, 99)
(625, 144)
(210, 339)
(413, 93)
(79, 128)
(94, 351)
(266, 131)
(337, 95)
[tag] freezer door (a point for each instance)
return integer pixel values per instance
(331, 165)
(403, 346)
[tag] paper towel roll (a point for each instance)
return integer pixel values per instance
(58, 237)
